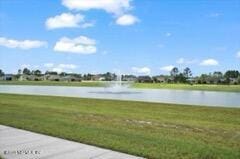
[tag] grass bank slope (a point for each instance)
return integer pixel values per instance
(150, 130)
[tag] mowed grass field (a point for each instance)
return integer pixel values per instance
(150, 130)
(203, 87)
(54, 83)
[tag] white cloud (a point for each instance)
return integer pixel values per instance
(36, 67)
(238, 54)
(79, 45)
(167, 34)
(67, 66)
(161, 45)
(141, 70)
(29, 66)
(63, 68)
(116, 7)
(181, 61)
(119, 8)
(127, 19)
(57, 69)
(167, 68)
(67, 20)
(214, 15)
(104, 52)
(25, 66)
(209, 62)
(87, 25)
(185, 61)
(24, 44)
(48, 65)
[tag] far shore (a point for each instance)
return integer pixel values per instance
(179, 86)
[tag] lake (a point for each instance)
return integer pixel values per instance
(205, 98)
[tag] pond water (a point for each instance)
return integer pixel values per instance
(206, 98)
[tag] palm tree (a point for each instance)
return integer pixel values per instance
(1, 73)
(174, 72)
(187, 72)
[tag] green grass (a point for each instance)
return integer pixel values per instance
(54, 83)
(150, 130)
(205, 87)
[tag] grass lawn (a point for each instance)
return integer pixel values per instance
(208, 87)
(54, 83)
(150, 130)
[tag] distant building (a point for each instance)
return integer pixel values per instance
(53, 77)
(9, 77)
(24, 77)
(98, 77)
(144, 79)
(233, 80)
(159, 79)
(129, 78)
(70, 78)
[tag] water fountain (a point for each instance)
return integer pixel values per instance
(117, 87)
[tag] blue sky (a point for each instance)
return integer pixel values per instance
(139, 37)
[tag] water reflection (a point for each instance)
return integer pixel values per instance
(224, 99)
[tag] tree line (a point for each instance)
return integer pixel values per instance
(216, 77)
(176, 76)
(180, 77)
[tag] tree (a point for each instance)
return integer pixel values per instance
(232, 74)
(87, 77)
(217, 77)
(187, 72)
(84, 77)
(181, 78)
(26, 71)
(19, 71)
(51, 73)
(1, 73)
(19, 74)
(203, 78)
(63, 74)
(174, 72)
(36, 72)
(109, 76)
(218, 74)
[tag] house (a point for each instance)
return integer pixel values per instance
(169, 79)
(102, 79)
(159, 79)
(144, 79)
(191, 80)
(233, 80)
(91, 77)
(25, 77)
(70, 78)
(9, 77)
(129, 78)
(109, 76)
(53, 77)
(98, 77)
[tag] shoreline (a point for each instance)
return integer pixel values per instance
(200, 87)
